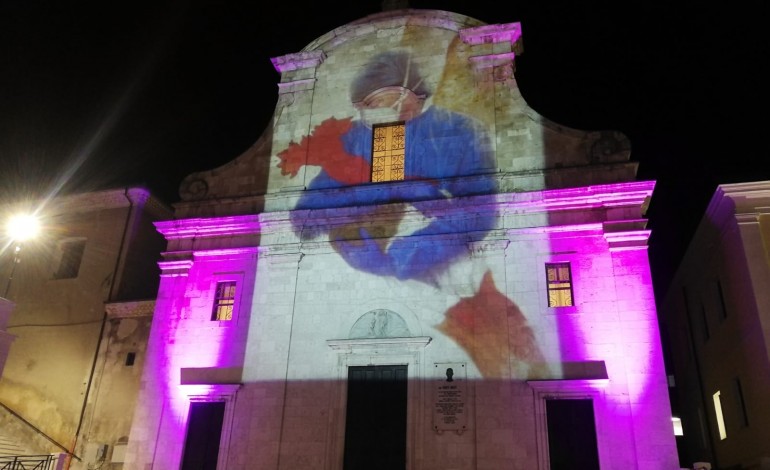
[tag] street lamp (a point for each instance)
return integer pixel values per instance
(20, 228)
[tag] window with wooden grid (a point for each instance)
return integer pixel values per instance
(224, 301)
(559, 279)
(388, 146)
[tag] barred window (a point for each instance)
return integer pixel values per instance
(224, 301)
(559, 284)
(388, 147)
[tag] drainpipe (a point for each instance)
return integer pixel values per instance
(137, 199)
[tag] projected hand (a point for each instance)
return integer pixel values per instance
(475, 324)
(324, 148)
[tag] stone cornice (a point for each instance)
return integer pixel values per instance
(492, 33)
(175, 267)
(141, 308)
(618, 205)
(226, 253)
(297, 61)
(106, 199)
(209, 227)
(288, 258)
(630, 194)
(744, 201)
(750, 218)
(628, 239)
(555, 231)
(296, 85)
(378, 345)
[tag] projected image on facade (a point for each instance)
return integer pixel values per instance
(435, 145)
(396, 136)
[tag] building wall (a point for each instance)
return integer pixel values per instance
(6, 307)
(114, 387)
(445, 269)
(716, 315)
(59, 321)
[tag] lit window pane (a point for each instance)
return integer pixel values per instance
(388, 153)
(551, 273)
(224, 301)
(720, 417)
(559, 284)
(678, 429)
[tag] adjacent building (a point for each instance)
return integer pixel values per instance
(410, 269)
(81, 299)
(717, 317)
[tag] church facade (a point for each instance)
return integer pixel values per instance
(411, 269)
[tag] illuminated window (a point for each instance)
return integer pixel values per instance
(224, 301)
(678, 429)
(388, 152)
(720, 417)
(559, 280)
(70, 255)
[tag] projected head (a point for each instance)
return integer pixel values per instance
(388, 89)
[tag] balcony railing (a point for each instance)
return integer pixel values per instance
(29, 462)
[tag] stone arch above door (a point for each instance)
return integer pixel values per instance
(379, 323)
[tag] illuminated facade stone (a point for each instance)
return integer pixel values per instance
(439, 278)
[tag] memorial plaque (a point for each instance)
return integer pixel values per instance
(449, 395)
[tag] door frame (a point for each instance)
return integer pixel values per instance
(377, 352)
(565, 390)
(209, 393)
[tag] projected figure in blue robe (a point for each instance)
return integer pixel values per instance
(446, 155)
(439, 147)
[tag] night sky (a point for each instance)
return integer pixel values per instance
(98, 95)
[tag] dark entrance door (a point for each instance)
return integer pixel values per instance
(204, 429)
(572, 434)
(375, 428)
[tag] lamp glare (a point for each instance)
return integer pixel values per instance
(23, 227)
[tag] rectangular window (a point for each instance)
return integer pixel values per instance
(71, 254)
(559, 278)
(388, 150)
(740, 403)
(224, 301)
(678, 429)
(721, 304)
(720, 416)
(704, 317)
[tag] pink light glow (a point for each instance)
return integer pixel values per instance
(612, 322)
(493, 33)
(184, 336)
(614, 319)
